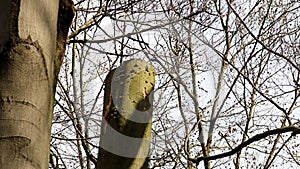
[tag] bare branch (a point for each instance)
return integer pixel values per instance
(295, 130)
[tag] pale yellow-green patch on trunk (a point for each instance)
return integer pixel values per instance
(127, 116)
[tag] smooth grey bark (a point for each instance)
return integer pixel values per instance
(32, 44)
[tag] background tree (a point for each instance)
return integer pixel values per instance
(227, 91)
(127, 116)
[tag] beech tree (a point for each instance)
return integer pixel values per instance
(32, 44)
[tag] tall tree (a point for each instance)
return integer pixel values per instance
(32, 45)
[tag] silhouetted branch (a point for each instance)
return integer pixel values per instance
(295, 130)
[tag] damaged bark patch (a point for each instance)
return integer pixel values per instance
(65, 16)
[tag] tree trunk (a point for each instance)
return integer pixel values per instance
(32, 43)
(127, 114)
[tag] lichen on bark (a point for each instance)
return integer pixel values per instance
(127, 115)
